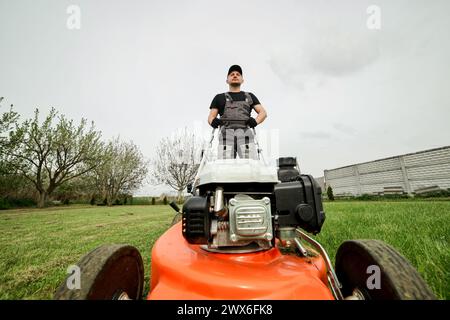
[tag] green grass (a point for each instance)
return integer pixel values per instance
(420, 231)
(37, 245)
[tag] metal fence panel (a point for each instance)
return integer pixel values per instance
(407, 172)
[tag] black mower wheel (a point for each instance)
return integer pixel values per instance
(399, 280)
(176, 219)
(109, 272)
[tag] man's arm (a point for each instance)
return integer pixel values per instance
(212, 114)
(262, 114)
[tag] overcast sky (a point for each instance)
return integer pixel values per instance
(336, 92)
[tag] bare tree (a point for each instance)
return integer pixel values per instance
(49, 154)
(177, 160)
(122, 170)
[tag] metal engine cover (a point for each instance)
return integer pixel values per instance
(250, 219)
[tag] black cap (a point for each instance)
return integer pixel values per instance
(235, 68)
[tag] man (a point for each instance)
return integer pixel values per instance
(236, 122)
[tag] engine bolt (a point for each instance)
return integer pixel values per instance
(233, 237)
(268, 236)
(233, 202)
(266, 200)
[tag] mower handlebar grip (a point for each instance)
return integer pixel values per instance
(174, 206)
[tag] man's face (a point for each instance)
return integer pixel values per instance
(235, 79)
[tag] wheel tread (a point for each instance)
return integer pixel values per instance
(404, 280)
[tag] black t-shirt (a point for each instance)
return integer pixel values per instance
(219, 100)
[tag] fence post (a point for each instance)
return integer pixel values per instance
(358, 182)
(405, 176)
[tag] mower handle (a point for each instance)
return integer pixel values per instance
(174, 206)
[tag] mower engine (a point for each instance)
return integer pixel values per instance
(236, 222)
(248, 216)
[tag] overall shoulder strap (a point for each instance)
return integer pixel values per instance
(228, 97)
(248, 98)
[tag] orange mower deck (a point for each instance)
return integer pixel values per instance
(181, 271)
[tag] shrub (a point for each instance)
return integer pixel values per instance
(434, 194)
(4, 204)
(396, 196)
(153, 201)
(9, 203)
(330, 193)
(367, 197)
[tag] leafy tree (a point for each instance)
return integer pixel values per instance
(8, 121)
(78, 188)
(51, 153)
(121, 170)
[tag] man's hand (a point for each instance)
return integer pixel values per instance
(252, 122)
(216, 123)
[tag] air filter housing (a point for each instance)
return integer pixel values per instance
(299, 203)
(196, 220)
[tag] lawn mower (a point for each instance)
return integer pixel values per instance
(242, 234)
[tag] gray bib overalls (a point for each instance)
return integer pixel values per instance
(235, 137)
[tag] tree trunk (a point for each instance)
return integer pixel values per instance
(42, 199)
(180, 196)
(109, 199)
(112, 196)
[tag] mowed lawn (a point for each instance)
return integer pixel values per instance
(37, 245)
(419, 230)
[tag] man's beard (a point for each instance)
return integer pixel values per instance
(235, 84)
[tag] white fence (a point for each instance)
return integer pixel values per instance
(410, 173)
